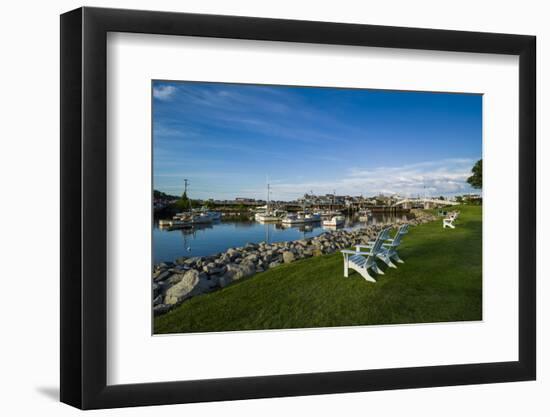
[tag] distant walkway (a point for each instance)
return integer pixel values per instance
(425, 201)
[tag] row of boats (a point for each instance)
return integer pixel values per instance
(265, 214)
(304, 217)
(191, 218)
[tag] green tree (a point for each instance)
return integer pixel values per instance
(475, 179)
(184, 203)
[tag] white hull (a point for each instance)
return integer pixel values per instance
(308, 218)
(293, 221)
(332, 223)
(174, 224)
(202, 219)
(266, 218)
(214, 215)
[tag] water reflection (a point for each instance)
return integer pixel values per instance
(209, 239)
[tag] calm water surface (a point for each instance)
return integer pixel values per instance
(218, 237)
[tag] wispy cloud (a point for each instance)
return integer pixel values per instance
(441, 177)
(164, 92)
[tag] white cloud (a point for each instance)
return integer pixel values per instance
(164, 92)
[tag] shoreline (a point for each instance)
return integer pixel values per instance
(175, 282)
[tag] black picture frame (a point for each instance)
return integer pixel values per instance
(84, 207)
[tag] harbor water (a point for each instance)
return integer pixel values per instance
(219, 236)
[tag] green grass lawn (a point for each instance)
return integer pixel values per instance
(439, 281)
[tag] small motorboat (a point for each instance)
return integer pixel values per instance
(334, 221)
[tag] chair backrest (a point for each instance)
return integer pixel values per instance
(398, 235)
(381, 238)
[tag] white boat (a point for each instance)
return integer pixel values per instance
(215, 215)
(292, 218)
(364, 215)
(201, 218)
(334, 221)
(174, 224)
(312, 217)
(266, 215)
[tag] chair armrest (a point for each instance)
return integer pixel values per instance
(351, 252)
(368, 246)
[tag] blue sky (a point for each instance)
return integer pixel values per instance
(229, 139)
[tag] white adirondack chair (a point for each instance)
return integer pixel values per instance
(363, 261)
(389, 251)
(384, 234)
(449, 221)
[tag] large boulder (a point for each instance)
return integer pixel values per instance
(192, 283)
(288, 257)
(242, 270)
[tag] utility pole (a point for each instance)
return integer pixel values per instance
(185, 189)
(186, 181)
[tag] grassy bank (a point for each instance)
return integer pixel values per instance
(440, 281)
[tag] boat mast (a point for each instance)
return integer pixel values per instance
(267, 205)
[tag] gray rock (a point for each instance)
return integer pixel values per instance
(224, 281)
(251, 246)
(156, 289)
(157, 300)
(242, 270)
(288, 257)
(192, 261)
(161, 276)
(174, 279)
(181, 260)
(191, 284)
(252, 258)
(232, 253)
(274, 264)
(160, 309)
(214, 269)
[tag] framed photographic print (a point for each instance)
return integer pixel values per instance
(258, 207)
